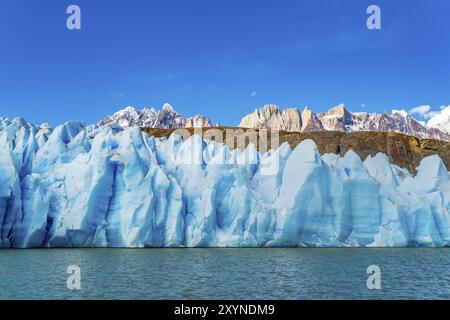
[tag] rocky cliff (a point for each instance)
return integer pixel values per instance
(339, 118)
(403, 150)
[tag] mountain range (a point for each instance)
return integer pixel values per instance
(338, 118)
(165, 118)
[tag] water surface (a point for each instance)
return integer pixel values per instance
(295, 273)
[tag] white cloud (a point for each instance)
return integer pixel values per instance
(116, 94)
(423, 111)
(363, 105)
(165, 77)
(253, 94)
(441, 120)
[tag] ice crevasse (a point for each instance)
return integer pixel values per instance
(69, 187)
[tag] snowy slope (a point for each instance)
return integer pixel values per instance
(167, 117)
(122, 188)
(441, 120)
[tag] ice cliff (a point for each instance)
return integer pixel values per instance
(68, 187)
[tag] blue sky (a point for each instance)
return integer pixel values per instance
(220, 58)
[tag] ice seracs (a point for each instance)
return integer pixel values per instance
(124, 188)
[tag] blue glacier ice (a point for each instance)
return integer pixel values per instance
(72, 187)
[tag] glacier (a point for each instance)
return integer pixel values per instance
(113, 187)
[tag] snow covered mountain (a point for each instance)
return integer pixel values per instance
(441, 120)
(152, 118)
(124, 188)
(340, 119)
(291, 119)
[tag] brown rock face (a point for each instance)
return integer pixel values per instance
(403, 150)
(271, 117)
(336, 118)
(310, 122)
(339, 118)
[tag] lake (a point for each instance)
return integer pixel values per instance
(267, 273)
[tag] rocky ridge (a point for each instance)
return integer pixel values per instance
(339, 118)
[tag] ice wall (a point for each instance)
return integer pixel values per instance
(121, 188)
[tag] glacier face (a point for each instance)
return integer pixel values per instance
(69, 187)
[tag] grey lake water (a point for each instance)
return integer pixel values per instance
(294, 273)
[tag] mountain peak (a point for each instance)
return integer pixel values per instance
(401, 112)
(339, 110)
(310, 122)
(270, 116)
(129, 108)
(152, 118)
(168, 107)
(271, 107)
